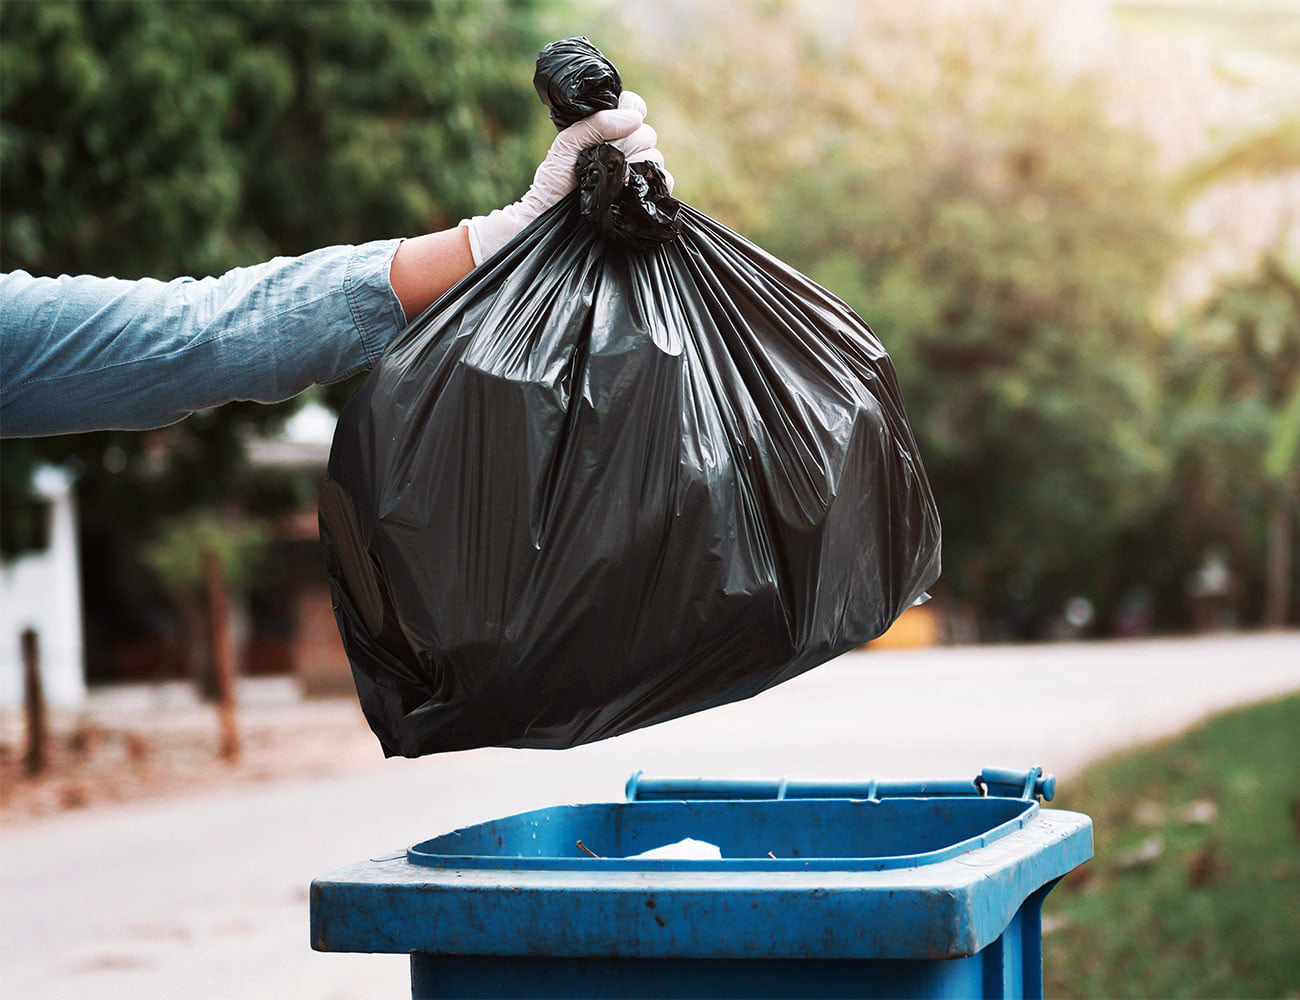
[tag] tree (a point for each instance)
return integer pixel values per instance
(1234, 369)
(148, 138)
(176, 138)
(1235, 429)
(1002, 235)
(180, 556)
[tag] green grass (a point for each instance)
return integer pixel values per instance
(1217, 912)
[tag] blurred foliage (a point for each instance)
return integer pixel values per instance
(24, 525)
(1004, 237)
(158, 139)
(162, 139)
(177, 556)
(1234, 424)
(1269, 151)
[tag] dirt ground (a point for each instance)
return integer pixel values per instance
(139, 743)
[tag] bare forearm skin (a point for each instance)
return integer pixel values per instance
(426, 266)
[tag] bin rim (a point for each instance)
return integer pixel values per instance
(951, 909)
(423, 854)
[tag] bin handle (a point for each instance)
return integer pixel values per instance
(992, 781)
(1008, 783)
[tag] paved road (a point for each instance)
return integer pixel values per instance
(206, 896)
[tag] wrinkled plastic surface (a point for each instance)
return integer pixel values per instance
(628, 203)
(609, 480)
(575, 80)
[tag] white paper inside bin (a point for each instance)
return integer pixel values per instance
(687, 849)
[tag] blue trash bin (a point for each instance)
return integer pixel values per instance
(823, 889)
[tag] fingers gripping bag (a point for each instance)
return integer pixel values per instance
(631, 467)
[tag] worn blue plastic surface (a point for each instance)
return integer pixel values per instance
(882, 892)
(803, 835)
(995, 781)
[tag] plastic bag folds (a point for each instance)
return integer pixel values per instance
(631, 467)
(575, 80)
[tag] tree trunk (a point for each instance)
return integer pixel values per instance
(1277, 573)
(223, 654)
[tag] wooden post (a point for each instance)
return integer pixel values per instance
(223, 653)
(38, 726)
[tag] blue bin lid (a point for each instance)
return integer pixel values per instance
(889, 876)
(752, 835)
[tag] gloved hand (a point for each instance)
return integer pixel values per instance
(624, 127)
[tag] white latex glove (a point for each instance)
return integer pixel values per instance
(624, 127)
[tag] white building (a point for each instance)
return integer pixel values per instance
(41, 591)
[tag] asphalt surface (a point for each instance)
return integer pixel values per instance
(206, 895)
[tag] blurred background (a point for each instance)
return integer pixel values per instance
(1075, 226)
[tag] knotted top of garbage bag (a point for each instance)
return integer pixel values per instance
(575, 80)
(629, 203)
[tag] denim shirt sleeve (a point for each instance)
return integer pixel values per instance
(86, 353)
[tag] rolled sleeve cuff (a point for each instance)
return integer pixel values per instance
(373, 304)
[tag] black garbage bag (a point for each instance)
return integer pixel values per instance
(632, 467)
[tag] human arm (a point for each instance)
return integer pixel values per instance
(427, 266)
(88, 353)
